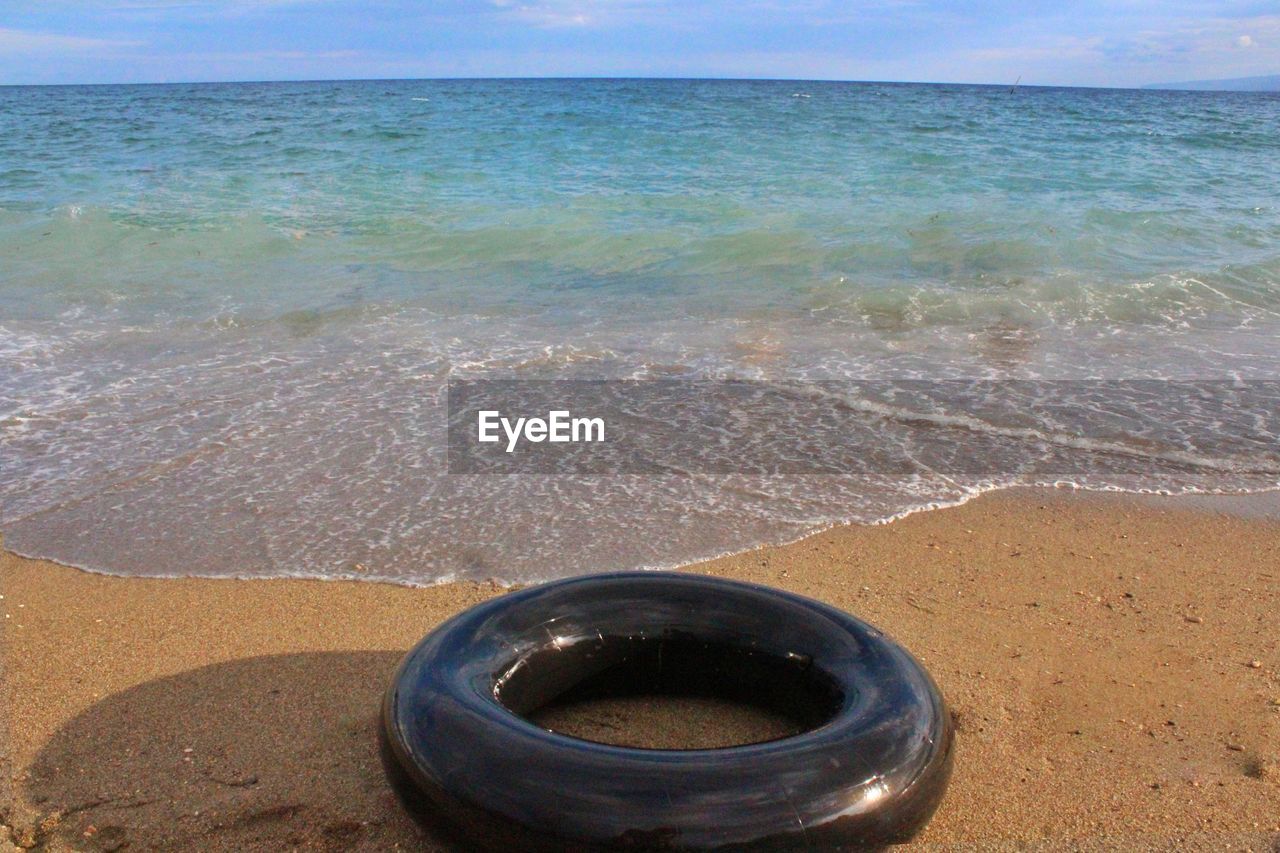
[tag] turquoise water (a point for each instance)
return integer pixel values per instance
(227, 312)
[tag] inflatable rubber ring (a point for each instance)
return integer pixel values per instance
(870, 769)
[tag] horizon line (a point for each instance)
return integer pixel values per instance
(601, 77)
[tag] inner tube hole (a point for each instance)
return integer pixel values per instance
(563, 685)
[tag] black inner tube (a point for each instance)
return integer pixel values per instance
(789, 687)
(867, 768)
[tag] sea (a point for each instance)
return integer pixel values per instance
(230, 313)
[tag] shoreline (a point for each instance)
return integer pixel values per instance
(1096, 647)
(1263, 505)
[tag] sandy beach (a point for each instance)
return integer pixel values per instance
(1112, 663)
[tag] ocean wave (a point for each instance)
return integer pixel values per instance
(228, 313)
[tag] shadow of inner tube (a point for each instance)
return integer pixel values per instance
(868, 767)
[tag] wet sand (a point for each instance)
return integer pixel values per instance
(1112, 662)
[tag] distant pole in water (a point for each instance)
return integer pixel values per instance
(1015, 84)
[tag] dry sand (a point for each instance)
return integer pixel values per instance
(1112, 664)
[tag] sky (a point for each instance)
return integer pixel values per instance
(1088, 43)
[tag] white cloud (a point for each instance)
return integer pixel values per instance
(128, 11)
(1178, 49)
(30, 42)
(256, 56)
(553, 14)
(1054, 49)
(213, 5)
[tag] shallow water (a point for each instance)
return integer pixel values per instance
(228, 312)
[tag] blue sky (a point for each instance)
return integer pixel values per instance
(1115, 43)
